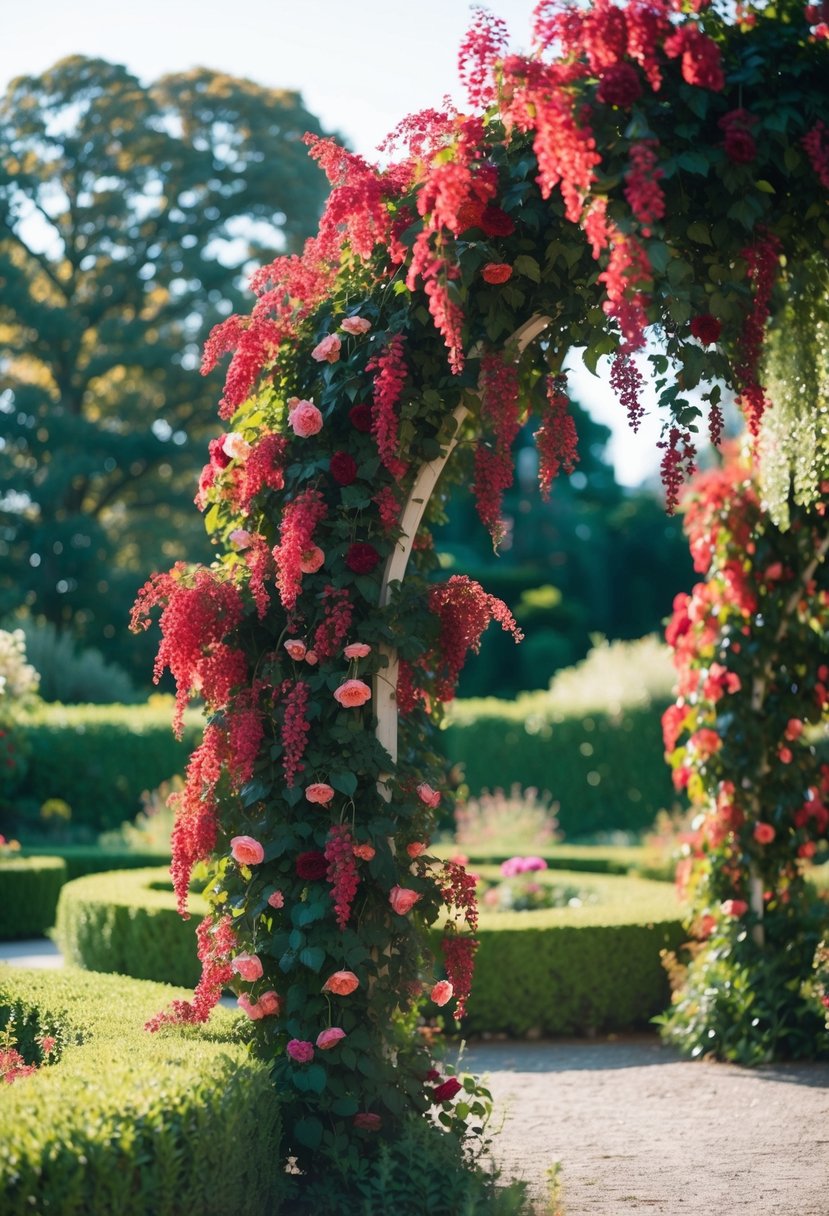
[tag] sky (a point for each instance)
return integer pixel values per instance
(361, 66)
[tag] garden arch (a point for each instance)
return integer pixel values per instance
(649, 165)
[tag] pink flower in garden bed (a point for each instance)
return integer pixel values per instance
(522, 865)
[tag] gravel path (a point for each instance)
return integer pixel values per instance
(634, 1128)
(637, 1129)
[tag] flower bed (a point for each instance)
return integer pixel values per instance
(126, 1122)
(30, 886)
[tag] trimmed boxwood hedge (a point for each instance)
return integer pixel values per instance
(590, 859)
(92, 859)
(29, 890)
(126, 1123)
(562, 971)
(576, 970)
(126, 921)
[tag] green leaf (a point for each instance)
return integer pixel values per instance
(308, 1132)
(698, 231)
(345, 783)
(312, 957)
(345, 1107)
(528, 267)
(253, 791)
(315, 1078)
(694, 162)
(765, 187)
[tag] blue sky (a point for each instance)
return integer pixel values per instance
(360, 66)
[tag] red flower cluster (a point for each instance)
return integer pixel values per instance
(311, 865)
(342, 873)
(343, 468)
(464, 610)
(459, 960)
(678, 463)
(295, 727)
(498, 387)
(626, 381)
(763, 265)
(296, 530)
(556, 438)
(642, 190)
(362, 558)
(390, 373)
(738, 144)
(195, 828)
(457, 889)
(484, 44)
(701, 61)
(216, 946)
(332, 630)
(816, 143)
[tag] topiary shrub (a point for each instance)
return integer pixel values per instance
(126, 921)
(30, 886)
(575, 970)
(93, 859)
(127, 1122)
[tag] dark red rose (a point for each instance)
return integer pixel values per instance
(496, 272)
(360, 418)
(469, 214)
(343, 468)
(311, 865)
(705, 328)
(619, 86)
(218, 456)
(368, 1121)
(739, 146)
(362, 558)
(496, 222)
(446, 1091)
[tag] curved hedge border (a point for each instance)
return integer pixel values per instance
(92, 859)
(575, 970)
(561, 971)
(30, 888)
(127, 1122)
(126, 921)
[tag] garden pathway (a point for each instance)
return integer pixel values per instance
(635, 1129)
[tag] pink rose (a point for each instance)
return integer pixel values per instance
(319, 792)
(355, 325)
(352, 694)
(785, 755)
(364, 851)
(733, 907)
(311, 658)
(403, 900)
(246, 850)
(248, 966)
(329, 1038)
(328, 350)
(311, 560)
(794, 729)
(300, 1051)
(240, 539)
(47, 1044)
(341, 983)
(442, 992)
(296, 649)
(270, 1003)
(415, 848)
(427, 795)
(251, 1008)
(368, 1121)
(304, 419)
(357, 650)
(764, 833)
(235, 446)
(276, 899)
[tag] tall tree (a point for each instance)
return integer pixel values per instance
(128, 218)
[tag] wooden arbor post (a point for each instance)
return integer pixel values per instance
(385, 681)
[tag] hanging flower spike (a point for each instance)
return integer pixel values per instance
(299, 519)
(342, 874)
(556, 440)
(486, 42)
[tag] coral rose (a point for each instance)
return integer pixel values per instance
(364, 851)
(794, 729)
(403, 900)
(733, 907)
(311, 658)
(362, 558)
(427, 795)
(764, 833)
(352, 694)
(248, 966)
(357, 650)
(250, 1007)
(304, 419)
(276, 899)
(319, 792)
(300, 1051)
(341, 983)
(311, 560)
(327, 1039)
(296, 649)
(235, 446)
(355, 325)
(311, 865)
(415, 848)
(447, 1091)
(328, 350)
(368, 1121)
(270, 1003)
(246, 850)
(442, 992)
(496, 272)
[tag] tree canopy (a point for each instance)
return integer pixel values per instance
(129, 215)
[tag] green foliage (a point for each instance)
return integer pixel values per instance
(71, 674)
(94, 859)
(98, 759)
(153, 203)
(575, 970)
(127, 1122)
(127, 922)
(30, 886)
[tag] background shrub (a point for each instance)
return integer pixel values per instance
(72, 675)
(30, 888)
(99, 760)
(127, 1122)
(126, 921)
(92, 859)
